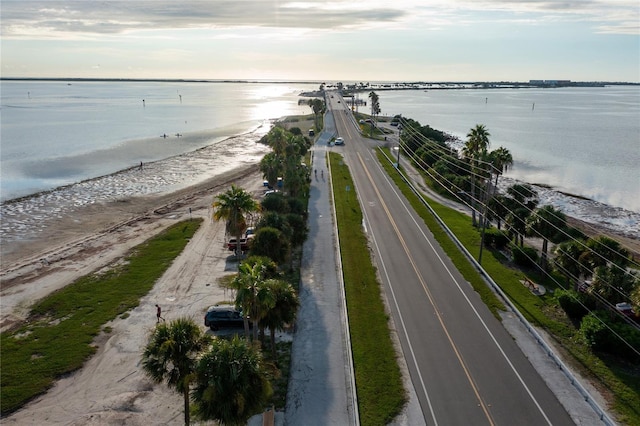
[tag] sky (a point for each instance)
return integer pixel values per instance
(328, 40)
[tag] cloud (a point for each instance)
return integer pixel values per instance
(46, 19)
(611, 16)
(27, 18)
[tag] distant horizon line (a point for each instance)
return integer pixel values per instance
(274, 81)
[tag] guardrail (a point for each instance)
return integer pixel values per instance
(547, 348)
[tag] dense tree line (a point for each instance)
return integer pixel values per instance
(228, 380)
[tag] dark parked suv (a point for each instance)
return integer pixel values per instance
(222, 317)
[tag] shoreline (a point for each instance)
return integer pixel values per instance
(35, 226)
(106, 215)
(48, 214)
(211, 136)
(92, 232)
(380, 85)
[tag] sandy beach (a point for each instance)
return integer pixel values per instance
(110, 387)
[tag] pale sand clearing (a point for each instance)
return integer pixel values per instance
(111, 388)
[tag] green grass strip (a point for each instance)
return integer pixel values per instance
(381, 394)
(57, 338)
(542, 311)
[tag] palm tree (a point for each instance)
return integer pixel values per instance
(232, 207)
(245, 284)
(299, 228)
(252, 296)
(297, 180)
(318, 107)
(231, 384)
(546, 222)
(171, 355)
(517, 222)
(498, 209)
(607, 250)
(375, 107)
(271, 168)
(278, 140)
(283, 311)
(613, 284)
(567, 260)
(501, 160)
(474, 149)
(524, 195)
(375, 104)
(300, 142)
(294, 173)
(477, 142)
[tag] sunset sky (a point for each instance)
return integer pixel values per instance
(340, 40)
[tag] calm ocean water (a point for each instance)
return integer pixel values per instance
(58, 133)
(583, 141)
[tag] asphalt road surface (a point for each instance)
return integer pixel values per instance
(465, 367)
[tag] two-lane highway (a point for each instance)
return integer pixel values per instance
(465, 368)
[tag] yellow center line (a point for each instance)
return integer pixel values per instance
(429, 296)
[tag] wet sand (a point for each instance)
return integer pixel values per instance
(110, 388)
(31, 223)
(89, 231)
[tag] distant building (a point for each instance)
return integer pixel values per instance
(550, 83)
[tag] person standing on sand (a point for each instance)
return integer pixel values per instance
(159, 314)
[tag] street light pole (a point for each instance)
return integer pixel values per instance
(484, 225)
(399, 142)
(484, 217)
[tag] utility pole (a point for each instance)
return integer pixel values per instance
(484, 213)
(399, 141)
(399, 145)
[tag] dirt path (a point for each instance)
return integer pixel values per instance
(110, 388)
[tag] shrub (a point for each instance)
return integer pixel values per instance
(595, 332)
(611, 336)
(629, 334)
(271, 243)
(297, 206)
(495, 238)
(575, 304)
(525, 256)
(275, 203)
